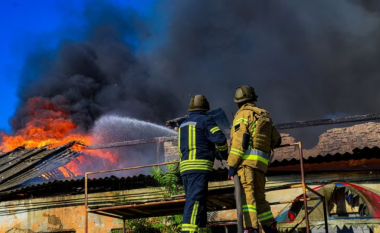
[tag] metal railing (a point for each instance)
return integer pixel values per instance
(105, 171)
(302, 185)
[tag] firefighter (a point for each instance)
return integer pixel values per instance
(253, 137)
(197, 137)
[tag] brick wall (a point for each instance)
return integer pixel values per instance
(171, 151)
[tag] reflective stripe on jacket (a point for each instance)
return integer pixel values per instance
(197, 137)
(245, 124)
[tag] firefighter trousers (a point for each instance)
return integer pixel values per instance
(255, 207)
(195, 212)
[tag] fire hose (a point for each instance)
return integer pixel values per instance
(239, 207)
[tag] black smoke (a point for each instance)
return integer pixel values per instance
(306, 60)
(99, 74)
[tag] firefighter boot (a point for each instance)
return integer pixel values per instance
(270, 229)
(251, 230)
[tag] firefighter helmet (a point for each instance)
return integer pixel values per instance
(245, 93)
(199, 103)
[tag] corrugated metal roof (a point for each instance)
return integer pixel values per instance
(357, 153)
(38, 186)
(20, 168)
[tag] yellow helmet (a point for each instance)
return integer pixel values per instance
(199, 103)
(245, 93)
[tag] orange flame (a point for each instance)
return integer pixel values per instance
(49, 124)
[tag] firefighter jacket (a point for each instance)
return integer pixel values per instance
(253, 136)
(197, 137)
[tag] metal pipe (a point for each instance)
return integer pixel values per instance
(324, 206)
(294, 201)
(85, 203)
(106, 214)
(239, 207)
(124, 225)
(290, 144)
(137, 205)
(304, 188)
(131, 168)
(313, 191)
(147, 204)
(307, 223)
(325, 215)
(281, 187)
(222, 223)
(329, 121)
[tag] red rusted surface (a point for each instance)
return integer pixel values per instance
(349, 165)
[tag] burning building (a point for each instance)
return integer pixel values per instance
(39, 193)
(64, 90)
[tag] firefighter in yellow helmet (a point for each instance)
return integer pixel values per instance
(253, 136)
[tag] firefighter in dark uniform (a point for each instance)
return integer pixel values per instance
(197, 137)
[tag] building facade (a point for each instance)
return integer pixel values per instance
(348, 154)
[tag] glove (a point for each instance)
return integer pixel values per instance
(232, 172)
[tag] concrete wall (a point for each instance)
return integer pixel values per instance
(56, 220)
(45, 215)
(51, 219)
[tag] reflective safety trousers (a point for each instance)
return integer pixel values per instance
(195, 212)
(197, 137)
(252, 138)
(255, 207)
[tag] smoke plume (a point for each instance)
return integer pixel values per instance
(305, 59)
(101, 74)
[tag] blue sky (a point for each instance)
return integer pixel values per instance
(25, 24)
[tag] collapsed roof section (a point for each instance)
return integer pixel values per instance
(21, 165)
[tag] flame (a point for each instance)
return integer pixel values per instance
(49, 124)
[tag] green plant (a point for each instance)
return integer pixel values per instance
(168, 179)
(170, 224)
(140, 225)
